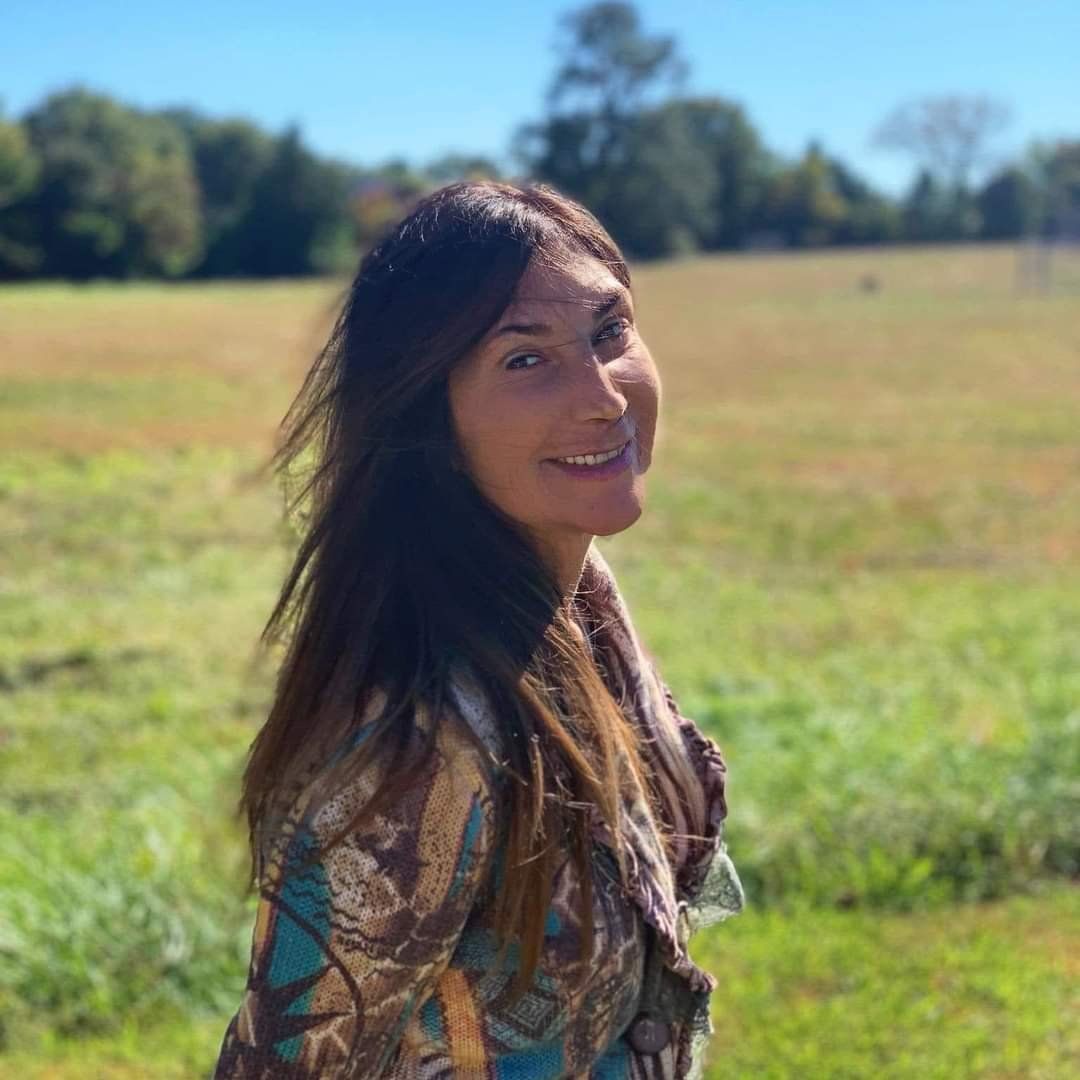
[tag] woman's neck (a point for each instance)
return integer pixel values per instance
(567, 557)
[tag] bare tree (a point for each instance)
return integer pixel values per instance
(947, 135)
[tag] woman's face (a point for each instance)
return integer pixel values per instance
(563, 373)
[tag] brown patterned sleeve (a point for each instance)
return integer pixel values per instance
(346, 950)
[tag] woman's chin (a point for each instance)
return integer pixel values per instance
(614, 520)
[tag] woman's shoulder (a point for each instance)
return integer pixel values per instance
(361, 906)
(472, 722)
(464, 745)
(457, 776)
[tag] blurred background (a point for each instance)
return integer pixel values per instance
(854, 230)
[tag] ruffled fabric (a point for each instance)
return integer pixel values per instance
(699, 885)
(677, 892)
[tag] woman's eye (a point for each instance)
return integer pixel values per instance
(510, 364)
(620, 324)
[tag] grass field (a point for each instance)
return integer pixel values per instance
(865, 510)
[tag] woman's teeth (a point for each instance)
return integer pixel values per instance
(593, 459)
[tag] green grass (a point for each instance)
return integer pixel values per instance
(974, 991)
(859, 569)
(981, 990)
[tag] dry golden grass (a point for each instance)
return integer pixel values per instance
(148, 365)
(945, 332)
(941, 382)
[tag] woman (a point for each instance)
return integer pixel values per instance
(481, 829)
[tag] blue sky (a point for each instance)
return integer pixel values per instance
(371, 80)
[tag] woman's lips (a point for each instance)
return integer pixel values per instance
(597, 472)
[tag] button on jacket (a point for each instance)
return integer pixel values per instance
(378, 960)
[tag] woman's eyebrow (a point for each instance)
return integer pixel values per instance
(601, 306)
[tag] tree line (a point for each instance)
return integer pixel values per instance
(91, 187)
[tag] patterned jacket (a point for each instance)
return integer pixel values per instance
(378, 960)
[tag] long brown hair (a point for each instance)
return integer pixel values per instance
(403, 568)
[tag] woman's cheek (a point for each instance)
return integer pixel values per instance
(642, 392)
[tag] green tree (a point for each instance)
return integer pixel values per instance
(803, 203)
(20, 252)
(384, 194)
(19, 165)
(925, 209)
(871, 218)
(298, 221)
(636, 167)
(1054, 168)
(655, 188)
(740, 166)
(664, 201)
(451, 167)
(610, 66)
(117, 195)
(1008, 205)
(229, 156)
(933, 211)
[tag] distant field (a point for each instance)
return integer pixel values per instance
(859, 569)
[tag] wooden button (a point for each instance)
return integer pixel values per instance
(649, 1035)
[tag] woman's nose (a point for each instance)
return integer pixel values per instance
(596, 394)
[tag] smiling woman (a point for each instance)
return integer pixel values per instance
(481, 829)
(538, 439)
